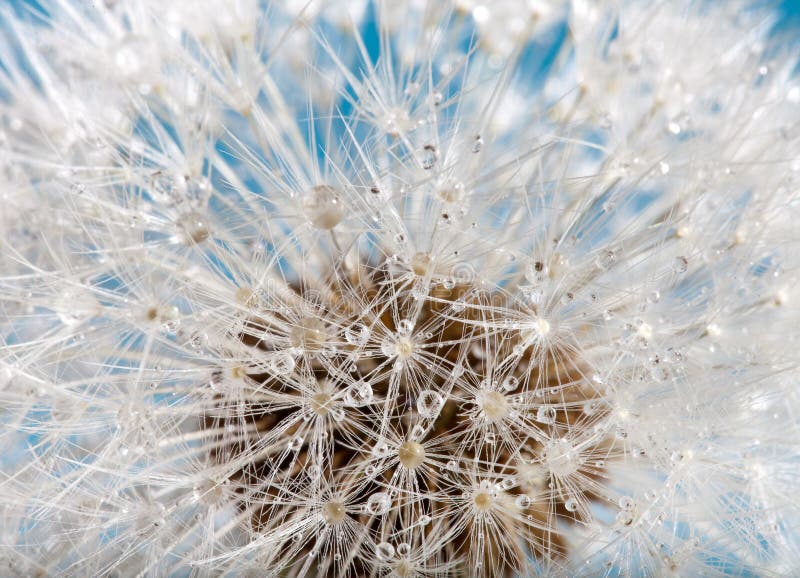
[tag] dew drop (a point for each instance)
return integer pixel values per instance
(296, 443)
(378, 503)
(281, 363)
(384, 551)
(546, 414)
(313, 472)
(625, 518)
(680, 264)
(429, 403)
(477, 144)
(358, 394)
(429, 156)
(523, 501)
(605, 260)
(510, 383)
(405, 326)
(417, 432)
(194, 227)
(571, 505)
(322, 206)
(381, 450)
(357, 334)
(403, 549)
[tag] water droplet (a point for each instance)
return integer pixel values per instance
(546, 414)
(605, 260)
(296, 443)
(429, 403)
(571, 505)
(358, 394)
(381, 450)
(625, 518)
(357, 334)
(198, 341)
(384, 551)
(323, 207)
(510, 383)
(452, 191)
(281, 363)
(680, 264)
(626, 503)
(490, 437)
(405, 326)
(477, 144)
(424, 520)
(378, 503)
(403, 549)
(194, 227)
(523, 501)
(429, 156)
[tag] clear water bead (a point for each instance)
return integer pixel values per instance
(357, 334)
(546, 414)
(405, 326)
(358, 394)
(429, 156)
(323, 207)
(295, 443)
(281, 363)
(680, 264)
(384, 551)
(378, 503)
(429, 403)
(194, 227)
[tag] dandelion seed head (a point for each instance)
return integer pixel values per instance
(350, 288)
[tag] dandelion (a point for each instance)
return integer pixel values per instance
(366, 288)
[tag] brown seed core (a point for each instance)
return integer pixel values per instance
(411, 454)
